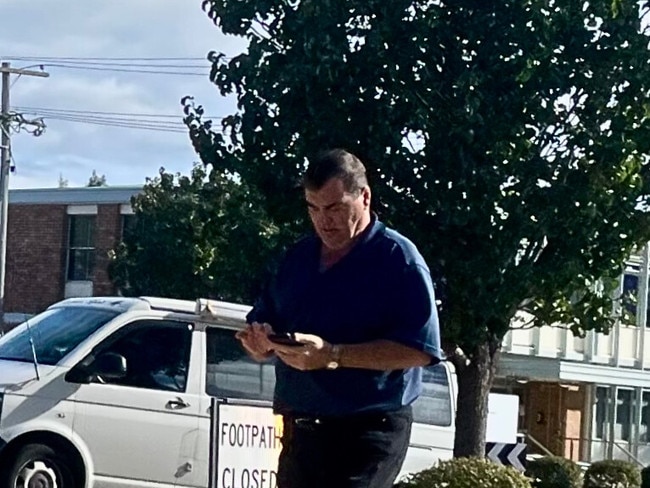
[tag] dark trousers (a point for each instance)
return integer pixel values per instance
(363, 451)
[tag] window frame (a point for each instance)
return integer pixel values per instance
(139, 325)
(261, 372)
(90, 250)
(449, 406)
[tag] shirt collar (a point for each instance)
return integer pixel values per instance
(373, 228)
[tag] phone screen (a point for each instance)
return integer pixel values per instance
(286, 339)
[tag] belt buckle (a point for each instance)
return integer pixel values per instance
(309, 421)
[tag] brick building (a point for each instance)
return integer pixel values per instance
(57, 244)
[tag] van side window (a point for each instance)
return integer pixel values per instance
(433, 407)
(231, 373)
(157, 354)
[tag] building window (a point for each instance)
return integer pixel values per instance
(631, 286)
(630, 297)
(623, 427)
(81, 247)
(600, 412)
(128, 224)
(644, 434)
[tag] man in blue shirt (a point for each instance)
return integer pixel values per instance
(358, 298)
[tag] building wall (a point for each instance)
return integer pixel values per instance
(574, 419)
(38, 241)
(608, 416)
(544, 411)
(556, 417)
(36, 256)
(626, 345)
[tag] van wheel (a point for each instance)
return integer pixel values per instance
(38, 466)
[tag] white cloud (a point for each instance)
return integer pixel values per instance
(107, 29)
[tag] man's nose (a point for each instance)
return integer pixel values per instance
(325, 218)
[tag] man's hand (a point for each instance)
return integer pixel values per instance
(314, 354)
(254, 338)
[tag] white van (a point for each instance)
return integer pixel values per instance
(116, 392)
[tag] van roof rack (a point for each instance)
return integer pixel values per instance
(208, 309)
(223, 311)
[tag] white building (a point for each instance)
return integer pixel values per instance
(586, 399)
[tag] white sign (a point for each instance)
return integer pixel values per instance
(247, 447)
(503, 416)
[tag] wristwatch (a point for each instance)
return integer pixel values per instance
(335, 357)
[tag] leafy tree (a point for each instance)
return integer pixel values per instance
(194, 236)
(508, 139)
(96, 180)
(63, 182)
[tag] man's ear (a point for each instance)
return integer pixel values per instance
(365, 193)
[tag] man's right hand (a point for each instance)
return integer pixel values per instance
(254, 338)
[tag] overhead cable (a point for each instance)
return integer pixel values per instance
(123, 70)
(46, 110)
(75, 58)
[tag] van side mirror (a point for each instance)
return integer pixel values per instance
(108, 365)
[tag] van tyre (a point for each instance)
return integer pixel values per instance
(38, 466)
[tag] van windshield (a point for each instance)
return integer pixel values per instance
(55, 333)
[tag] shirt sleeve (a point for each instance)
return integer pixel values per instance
(414, 321)
(263, 310)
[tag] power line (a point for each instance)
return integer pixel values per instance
(160, 122)
(127, 120)
(115, 120)
(120, 123)
(55, 111)
(138, 64)
(45, 110)
(75, 58)
(124, 70)
(144, 65)
(152, 62)
(131, 65)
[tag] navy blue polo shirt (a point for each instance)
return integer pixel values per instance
(381, 289)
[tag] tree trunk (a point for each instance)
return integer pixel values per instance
(474, 382)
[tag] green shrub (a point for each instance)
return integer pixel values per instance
(612, 473)
(467, 473)
(645, 477)
(554, 472)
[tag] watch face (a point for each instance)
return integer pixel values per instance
(332, 365)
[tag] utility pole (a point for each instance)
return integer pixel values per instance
(5, 166)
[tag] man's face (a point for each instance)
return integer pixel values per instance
(338, 217)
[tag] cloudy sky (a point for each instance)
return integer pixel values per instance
(94, 105)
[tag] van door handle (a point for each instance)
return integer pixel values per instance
(421, 446)
(177, 404)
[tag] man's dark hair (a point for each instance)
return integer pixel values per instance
(335, 163)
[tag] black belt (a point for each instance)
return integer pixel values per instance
(359, 420)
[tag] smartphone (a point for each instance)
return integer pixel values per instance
(285, 339)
